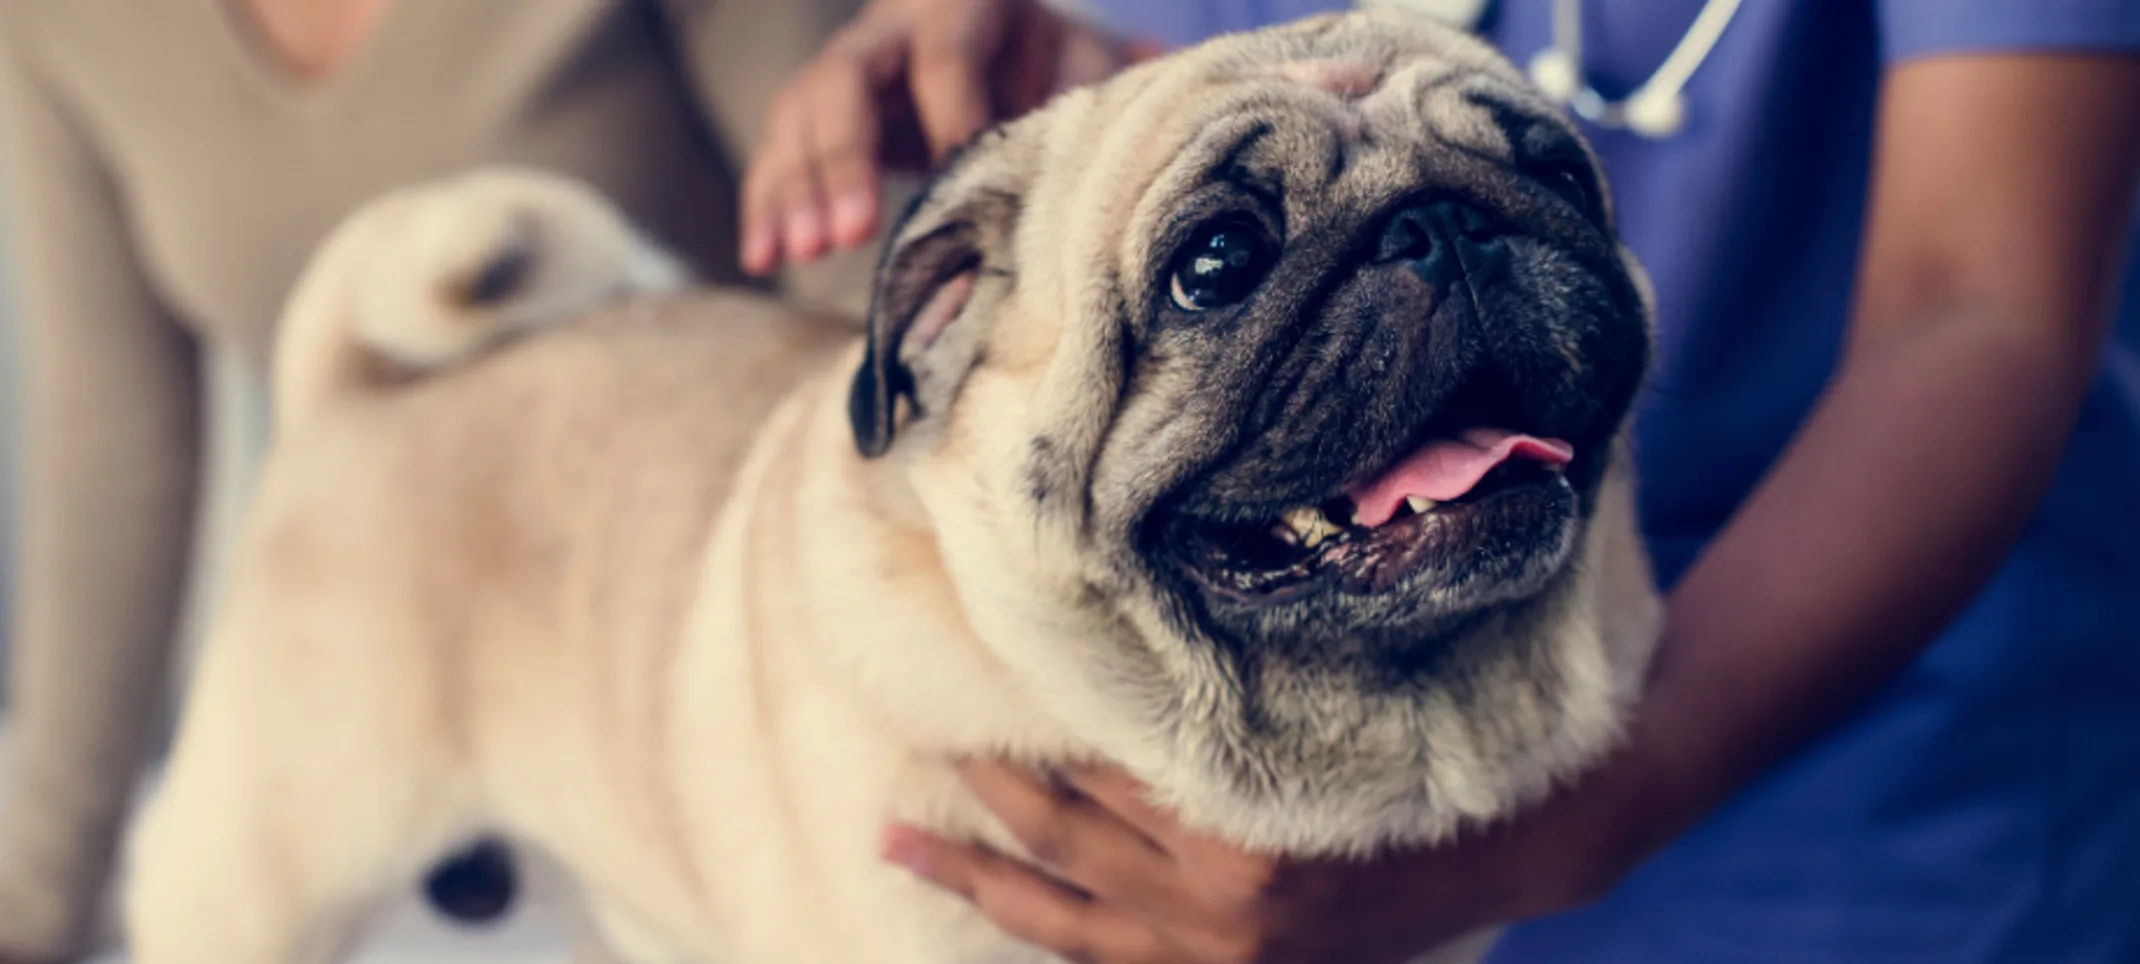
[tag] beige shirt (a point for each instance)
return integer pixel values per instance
(168, 179)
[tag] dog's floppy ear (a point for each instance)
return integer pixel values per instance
(920, 345)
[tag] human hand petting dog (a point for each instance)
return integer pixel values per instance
(1120, 881)
(902, 85)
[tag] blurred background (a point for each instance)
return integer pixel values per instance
(10, 358)
(413, 935)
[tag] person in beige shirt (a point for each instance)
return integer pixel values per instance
(170, 166)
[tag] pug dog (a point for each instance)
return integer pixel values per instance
(1252, 421)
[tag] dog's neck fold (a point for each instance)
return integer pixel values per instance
(830, 533)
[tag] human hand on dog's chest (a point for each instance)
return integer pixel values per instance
(1125, 882)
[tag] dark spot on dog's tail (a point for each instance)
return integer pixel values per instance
(507, 271)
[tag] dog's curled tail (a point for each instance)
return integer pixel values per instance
(430, 275)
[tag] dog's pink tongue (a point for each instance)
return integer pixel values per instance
(1448, 468)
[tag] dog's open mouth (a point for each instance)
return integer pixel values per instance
(1469, 502)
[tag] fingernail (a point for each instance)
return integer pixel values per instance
(850, 218)
(806, 234)
(758, 251)
(908, 849)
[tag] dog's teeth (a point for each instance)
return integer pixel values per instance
(1421, 505)
(1302, 522)
(1311, 525)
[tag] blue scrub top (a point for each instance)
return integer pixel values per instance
(1985, 806)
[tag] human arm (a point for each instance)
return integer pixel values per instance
(109, 412)
(2002, 193)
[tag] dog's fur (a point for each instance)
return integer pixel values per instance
(624, 590)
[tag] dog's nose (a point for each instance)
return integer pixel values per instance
(1443, 240)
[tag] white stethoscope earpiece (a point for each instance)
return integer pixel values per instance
(1656, 114)
(1556, 74)
(1658, 108)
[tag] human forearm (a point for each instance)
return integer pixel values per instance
(1993, 251)
(1908, 485)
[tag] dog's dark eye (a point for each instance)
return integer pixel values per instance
(1571, 181)
(1221, 264)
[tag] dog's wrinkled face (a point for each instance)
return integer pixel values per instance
(1310, 349)
(1391, 364)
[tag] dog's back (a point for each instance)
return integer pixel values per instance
(484, 555)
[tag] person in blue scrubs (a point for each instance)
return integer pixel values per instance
(1891, 474)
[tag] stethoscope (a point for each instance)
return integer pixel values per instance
(1657, 109)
